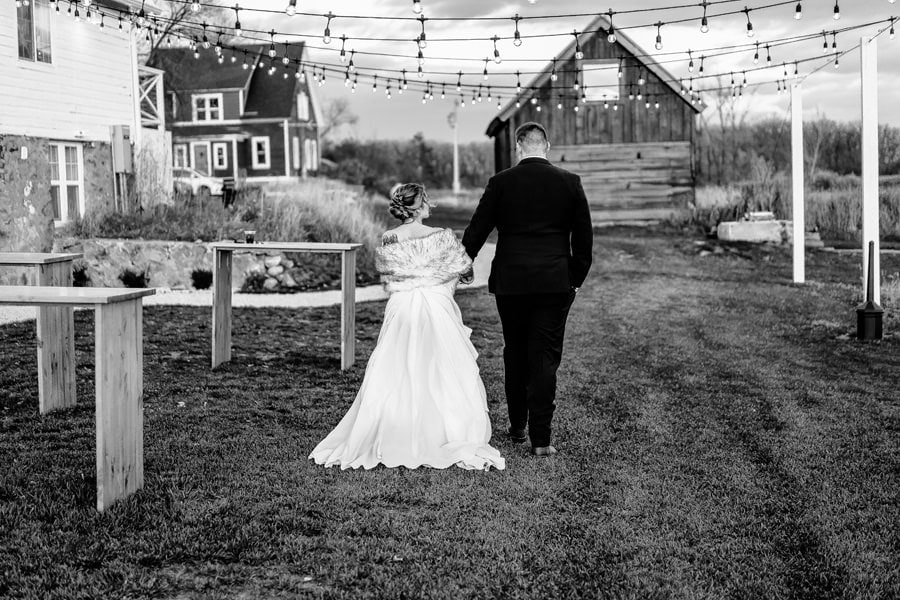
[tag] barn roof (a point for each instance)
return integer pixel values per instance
(600, 23)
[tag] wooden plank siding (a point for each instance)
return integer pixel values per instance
(626, 180)
(88, 86)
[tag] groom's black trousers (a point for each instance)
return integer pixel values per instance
(534, 326)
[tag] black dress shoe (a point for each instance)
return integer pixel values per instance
(516, 435)
(543, 451)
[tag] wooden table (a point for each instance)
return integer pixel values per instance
(221, 316)
(56, 385)
(119, 376)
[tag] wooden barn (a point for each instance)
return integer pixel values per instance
(615, 117)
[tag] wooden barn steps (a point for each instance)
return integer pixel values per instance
(644, 181)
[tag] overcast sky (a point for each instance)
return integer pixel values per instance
(831, 92)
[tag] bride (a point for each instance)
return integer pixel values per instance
(422, 401)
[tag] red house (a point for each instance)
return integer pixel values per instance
(241, 113)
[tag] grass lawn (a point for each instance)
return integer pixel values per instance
(720, 436)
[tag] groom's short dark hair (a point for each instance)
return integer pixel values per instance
(531, 134)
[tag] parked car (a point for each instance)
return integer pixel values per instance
(198, 184)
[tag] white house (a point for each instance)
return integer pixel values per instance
(70, 96)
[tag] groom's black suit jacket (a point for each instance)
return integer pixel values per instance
(544, 232)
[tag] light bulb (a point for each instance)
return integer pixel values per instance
(417, 6)
(326, 39)
(422, 42)
(195, 6)
(798, 13)
(291, 8)
(658, 45)
(704, 25)
(837, 11)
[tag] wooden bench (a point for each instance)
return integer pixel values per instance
(56, 386)
(119, 376)
(221, 316)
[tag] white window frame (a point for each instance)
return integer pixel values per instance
(264, 139)
(205, 98)
(295, 150)
(302, 106)
(600, 80)
(36, 6)
(307, 155)
(180, 156)
(62, 182)
(314, 156)
(217, 164)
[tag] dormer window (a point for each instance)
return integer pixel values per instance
(207, 107)
(302, 107)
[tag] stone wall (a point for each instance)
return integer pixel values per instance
(26, 216)
(99, 181)
(170, 265)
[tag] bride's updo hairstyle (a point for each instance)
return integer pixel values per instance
(406, 200)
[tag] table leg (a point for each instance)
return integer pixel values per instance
(348, 308)
(221, 309)
(120, 400)
(55, 343)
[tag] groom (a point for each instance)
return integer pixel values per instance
(544, 239)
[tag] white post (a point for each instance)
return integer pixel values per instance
(869, 76)
(453, 121)
(797, 180)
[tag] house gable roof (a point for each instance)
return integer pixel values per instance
(599, 25)
(266, 96)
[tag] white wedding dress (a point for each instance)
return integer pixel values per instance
(422, 402)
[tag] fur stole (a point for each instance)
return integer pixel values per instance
(432, 260)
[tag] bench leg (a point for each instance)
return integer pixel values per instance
(120, 401)
(221, 309)
(55, 343)
(348, 309)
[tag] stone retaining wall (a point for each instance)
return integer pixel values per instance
(170, 265)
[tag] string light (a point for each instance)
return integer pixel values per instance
(744, 84)
(756, 55)
(621, 63)
(237, 21)
(690, 62)
(517, 39)
(485, 69)
(272, 51)
(892, 26)
(195, 6)
(350, 65)
(326, 37)
(659, 44)
(746, 11)
(611, 35)
(497, 58)
(420, 58)
(343, 56)
(824, 43)
(518, 83)
(702, 58)
(837, 11)
(422, 42)
(704, 22)
(578, 53)
(768, 56)
(291, 8)
(374, 83)
(417, 6)
(798, 12)
(459, 81)
(553, 75)
(642, 80)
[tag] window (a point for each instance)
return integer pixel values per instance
(600, 79)
(66, 182)
(180, 155)
(302, 107)
(207, 107)
(34, 30)
(259, 147)
(220, 155)
(296, 152)
(310, 155)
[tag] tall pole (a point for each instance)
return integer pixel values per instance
(797, 181)
(455, 152)
(869, 76)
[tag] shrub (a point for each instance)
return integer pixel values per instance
(201, 279)
(80, 278)
(134, 279)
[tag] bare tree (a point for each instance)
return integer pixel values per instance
(336, 114)
(177, 24)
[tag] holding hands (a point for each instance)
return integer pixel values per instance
(467, 276)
